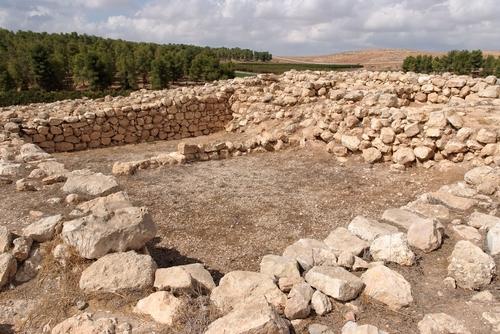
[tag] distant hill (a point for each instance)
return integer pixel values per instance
(372, 59)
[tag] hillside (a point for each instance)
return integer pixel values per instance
(372, 59)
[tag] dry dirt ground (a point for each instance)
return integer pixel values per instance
(371, 59)
(228, 214)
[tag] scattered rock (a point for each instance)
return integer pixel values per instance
(441, 323)
(392, 248)
(465, 232)
(5, 239)
(8, 268)
(310, 253)
(369, 229)
(188, 278)
(88, 183)
(335, 282)
(119, 272)
(105, 206)
(402, 218)
(341, 240)
(162, 306)
(387, 286)
(22, 247)
(451, 201)
(482, 220)
(94, 236)
(298, 303)
(44, 229)
(279, 267)
(86, 323)
(493, 240)
(426, 235)
(470, 266)
(31, 152)
(353, 328)
(320, 303)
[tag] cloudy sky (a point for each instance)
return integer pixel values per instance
(284, 27)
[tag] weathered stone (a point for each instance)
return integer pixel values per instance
(451, 201)
(187, 278)
(105, 206)
(341, 240)
(387, 135)
(119, 272)
(44, 229)
(402, 218)
(298, 303)
(351, 142)
(423, 153)
(476, 175)
(5, 239)
(486, 136)
(470, 266)
(353, 328)
(320, 303)
(9, 169)
(279, 267)
(8, 268)
(404, 156)
(89, 183)
(253, 318)
(94, 236)
(441, 323)
(244, 287)
(30, 267)
(369, 229)
(25, 185)
(482, 220)
(426, 235)
(319, 329)
(493, 318)
(162, 306)
(310, 253)
(372, 155)
(21, 248)
(87, 323)
(493, 240)
(31, 152)
(392, 248)
(387, 286)
(335, 282)
(464, 232)
(435, 211)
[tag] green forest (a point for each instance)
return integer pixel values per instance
(46, 62)
(458, 62)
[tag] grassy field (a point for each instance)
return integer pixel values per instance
(279, 68)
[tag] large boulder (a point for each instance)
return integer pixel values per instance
(369, 229)
(187, 278)
(44, 229)
(8, 268)
(240, 287)
(441, 323)
(335, 282)
(341, 240)
(387, 286)
(392, 248)
(94, 236)
(162, 306)
(119, 272)
(470, 266)
(254, 318)
(89, 183)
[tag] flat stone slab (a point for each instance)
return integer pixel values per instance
(44, 229)
(103, 206)
(451, 201)
(369, 229)
(341, 240)
(482, 220)
(428, 210)
(401, 217)
(87, 182)
(335, 282)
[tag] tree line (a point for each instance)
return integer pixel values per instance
(71, 61)
(458, 62)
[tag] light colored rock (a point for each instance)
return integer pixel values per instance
(162, 306)
(426, 236)
(88, 183)
(404, 156)
(119, 272)
(387, 135)
(104, 206)
(187, 278)
(423, 153)
(335, 282)
(5, 239)
(298, 303)
(392, 248)
(253, 318)
(451, 201)
(320, 303)
(51, 167)
(482, 221)
(476, 175)
(464, 232)
(402, 218)
(93, 236)
(25, 185)
(244, 287)
(8, 268)
(86, 323)
(387, 286)
(310, 253)
(493, 240)
(30, 267)
(31, 152)
(470, 266)
(425, 209)
(21, 248)
(372, 155)
(279, 267)
(352, 327)
(441, 323)
(486, 136)
(483, 297)
(44, 229)
(319, 329)
(9, 169)
(494, 320)
(350, 142)
(369, 229)
(341, 240)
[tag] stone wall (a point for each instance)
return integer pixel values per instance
(165, 119)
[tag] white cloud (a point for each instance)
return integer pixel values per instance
(281, 26)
